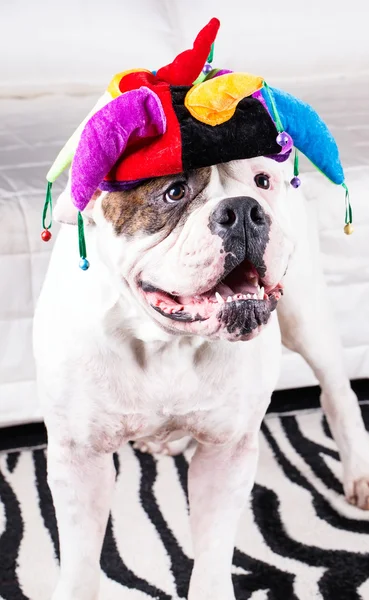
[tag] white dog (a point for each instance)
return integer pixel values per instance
(172, 333)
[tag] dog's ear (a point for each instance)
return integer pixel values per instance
(65, 211)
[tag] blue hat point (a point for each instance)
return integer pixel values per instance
(309, 133)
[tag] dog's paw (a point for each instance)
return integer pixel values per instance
(356, 472)
(153, 446)
(359, 493)
(66, 593)
(210, 588)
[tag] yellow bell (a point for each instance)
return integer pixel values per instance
(348, 229)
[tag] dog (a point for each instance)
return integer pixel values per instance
(173, 334)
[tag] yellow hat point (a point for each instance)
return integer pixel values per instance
(348, 229)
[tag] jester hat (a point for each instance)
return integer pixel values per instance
(185, 116)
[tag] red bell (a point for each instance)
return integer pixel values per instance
(46, 235)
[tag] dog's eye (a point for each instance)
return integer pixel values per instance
(175, 193)
(262, 181)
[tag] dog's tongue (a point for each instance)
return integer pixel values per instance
(163, 297)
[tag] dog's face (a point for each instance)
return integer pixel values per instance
(203, 252)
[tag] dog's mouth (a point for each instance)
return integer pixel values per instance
(242, 291)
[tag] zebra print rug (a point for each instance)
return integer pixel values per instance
(297, 540)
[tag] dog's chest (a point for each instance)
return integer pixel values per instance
(158, 390)
(170, 380)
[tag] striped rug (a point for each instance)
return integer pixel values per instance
(297, 540)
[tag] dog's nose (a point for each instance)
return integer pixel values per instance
(241, 212)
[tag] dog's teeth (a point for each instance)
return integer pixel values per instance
(177, 309)
(248, 296)
(219, 298)
(255, 297)
(261, 294)
(229, 299)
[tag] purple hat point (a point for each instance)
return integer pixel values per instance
(133, 116)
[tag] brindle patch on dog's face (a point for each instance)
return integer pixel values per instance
(145, 208)
(161, 248)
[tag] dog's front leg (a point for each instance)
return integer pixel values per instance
(81, 482)
(220, 479)
(308, 327)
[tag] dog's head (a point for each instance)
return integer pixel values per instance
(203, 252)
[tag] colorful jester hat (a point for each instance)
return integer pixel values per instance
(185, 116)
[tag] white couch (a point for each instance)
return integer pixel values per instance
(62, 62)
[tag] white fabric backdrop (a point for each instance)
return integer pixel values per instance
(86, 41)
(75, 50)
